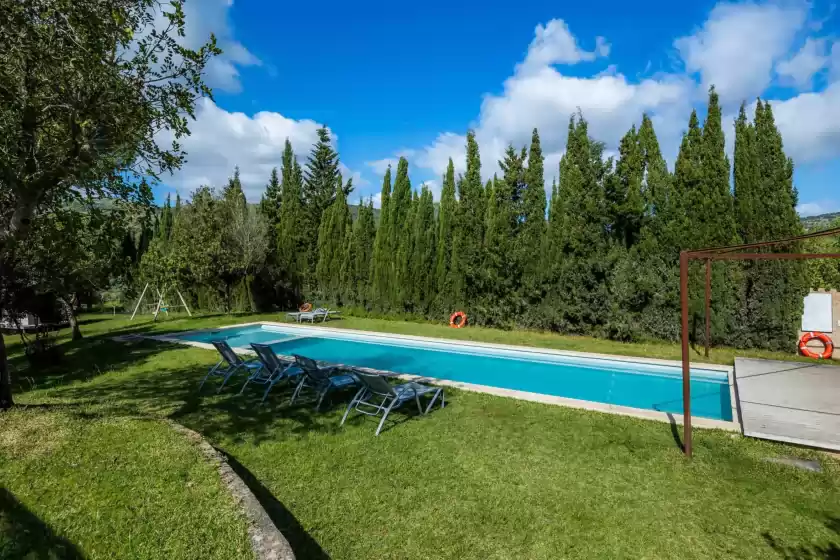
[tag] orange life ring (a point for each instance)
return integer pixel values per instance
(822, 337)
(305, 307)
(458, 324)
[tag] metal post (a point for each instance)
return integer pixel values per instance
(159, 303)
(686, 371)
(139, 301)
(183, 302)
(708, 305)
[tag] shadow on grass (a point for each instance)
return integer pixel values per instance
(302, 543)
(24, 535)
(143, 385)
(675, 431)
(822, 551)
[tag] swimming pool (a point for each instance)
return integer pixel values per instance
(622, 382)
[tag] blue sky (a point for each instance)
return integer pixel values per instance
(407, 79)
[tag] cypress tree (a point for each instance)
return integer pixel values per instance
(469, 231)
(291, 229)
(381, 278)
(273, 196)
(747, 178)
(233, 192)
(332, 246)
(716, 175)
(532, 227)
(490, 212)
(658, 189)
(164, 225)
(625, 197)
(646, 285)
(501, 263)
(177, 207)
(424, 256)
(361, 254)
(445, 228)
(580, 299)
(765, 198)
(401, 238)
(707, 215)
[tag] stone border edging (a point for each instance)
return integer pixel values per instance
(267, 542)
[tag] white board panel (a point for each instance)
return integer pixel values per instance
(817, 316)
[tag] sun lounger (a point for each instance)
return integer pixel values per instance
(230, 363)
(274, 369)
(377, 396)
(321, 380)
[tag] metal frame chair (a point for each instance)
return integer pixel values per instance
(320, 379)
(274, 369)
(392, 396)
(233, 361)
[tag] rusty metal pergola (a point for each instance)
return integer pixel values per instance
(729, 253)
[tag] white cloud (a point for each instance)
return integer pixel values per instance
(555, 44)
(738, 45)
(834, 63)
(816, 208)
(810, 124)
(381, 165)
(434, 186)
(220, 140)
(801, 67)
(737, 48)
(539, 95)
(204, 17)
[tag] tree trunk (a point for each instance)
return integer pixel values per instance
(5, 378)
(248, 282)
(71, 318)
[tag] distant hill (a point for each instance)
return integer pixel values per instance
(823, 221)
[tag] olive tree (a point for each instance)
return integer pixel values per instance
(86, 89)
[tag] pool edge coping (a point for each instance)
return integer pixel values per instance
(668, 417)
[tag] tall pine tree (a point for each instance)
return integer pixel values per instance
(319, 189)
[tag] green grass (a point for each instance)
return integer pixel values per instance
(486, 477)
(77, 485)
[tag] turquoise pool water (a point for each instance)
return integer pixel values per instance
(632, 384)
(238, 337)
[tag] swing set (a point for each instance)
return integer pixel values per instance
(161, 305)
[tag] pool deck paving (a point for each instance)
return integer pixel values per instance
(793, 402)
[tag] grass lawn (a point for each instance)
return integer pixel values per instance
(486, 477)
(77, 485)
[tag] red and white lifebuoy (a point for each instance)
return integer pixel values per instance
(822, 337)
(458, 320)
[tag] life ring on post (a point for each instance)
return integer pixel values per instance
(305, 307)
(822, 337)
(458, 320)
